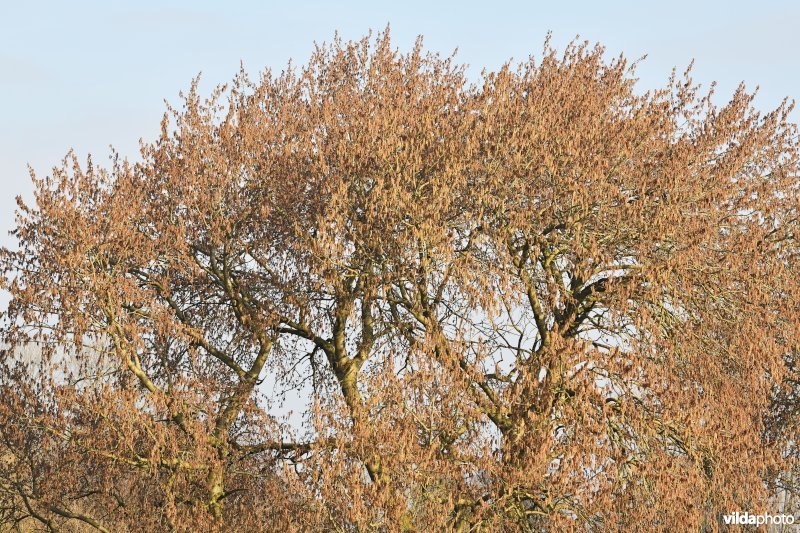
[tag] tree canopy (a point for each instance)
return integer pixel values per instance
(544, 299)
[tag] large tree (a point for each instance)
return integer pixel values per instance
(543, 300)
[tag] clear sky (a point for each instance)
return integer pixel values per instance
(86, 75)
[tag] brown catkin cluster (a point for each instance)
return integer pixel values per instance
(544, 301)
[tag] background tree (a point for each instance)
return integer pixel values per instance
(544, 300)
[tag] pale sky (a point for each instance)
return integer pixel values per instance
(86, 75)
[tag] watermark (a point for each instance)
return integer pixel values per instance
(746, 519)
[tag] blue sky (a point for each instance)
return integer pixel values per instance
(86, 75)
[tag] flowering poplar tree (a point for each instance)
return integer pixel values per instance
(546, 300)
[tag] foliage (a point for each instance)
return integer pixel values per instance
(543, 301)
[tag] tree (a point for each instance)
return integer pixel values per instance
(544, 300)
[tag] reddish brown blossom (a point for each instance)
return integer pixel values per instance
(544, 301)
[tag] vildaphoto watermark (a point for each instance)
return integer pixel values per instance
(746, 519)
